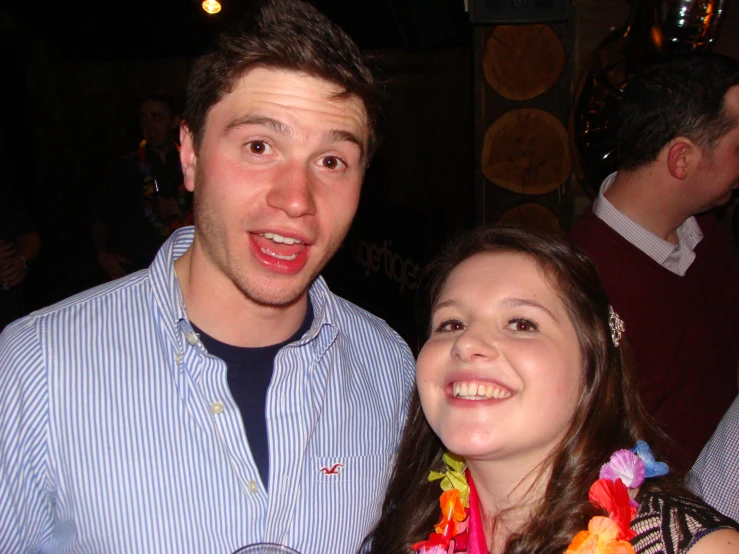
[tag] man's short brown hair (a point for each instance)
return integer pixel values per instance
(282, 34)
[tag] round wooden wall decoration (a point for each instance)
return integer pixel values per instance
(532, 216)
(525, 151)
(521, 62)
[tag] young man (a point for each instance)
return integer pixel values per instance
(224, 396)
(145, 199)
(662, 256)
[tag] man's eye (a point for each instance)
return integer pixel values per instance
(331, 162)
(522, 325)
(258, 147)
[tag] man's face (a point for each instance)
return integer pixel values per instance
(276, 182)
(719, 167)
(156, 123)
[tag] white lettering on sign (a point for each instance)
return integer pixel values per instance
(374, 259)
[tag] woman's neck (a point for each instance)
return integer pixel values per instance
(509, 492)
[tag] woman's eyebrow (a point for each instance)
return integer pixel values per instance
(453, 302)
(512, 302)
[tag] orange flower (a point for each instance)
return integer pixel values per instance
(600, 538)
(452, 513)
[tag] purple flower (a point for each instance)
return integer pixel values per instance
(624, 465)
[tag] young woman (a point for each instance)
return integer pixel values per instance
(526, 414)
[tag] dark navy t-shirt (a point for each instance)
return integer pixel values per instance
(249, 374)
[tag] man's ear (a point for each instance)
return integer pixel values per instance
(188, 158)
(682, 156)
(176, 120)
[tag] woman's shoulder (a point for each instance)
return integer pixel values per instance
(666, 523)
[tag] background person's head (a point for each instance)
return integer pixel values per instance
(684, 97)
(289, 35)
(158, 120)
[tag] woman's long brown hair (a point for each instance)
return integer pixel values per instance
(609, 416)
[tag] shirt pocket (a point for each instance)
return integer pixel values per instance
(346, 494)
(334, 471)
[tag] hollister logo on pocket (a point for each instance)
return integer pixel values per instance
(333, 470)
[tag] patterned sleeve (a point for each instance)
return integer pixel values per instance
(26, 508)
(672, 525)
(408, 368)
(715, 475)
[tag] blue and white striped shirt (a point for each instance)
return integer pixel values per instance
(118, 433)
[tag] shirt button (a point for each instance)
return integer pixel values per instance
(178, 359)
(217, 407)
(191, 338)
(253, 487)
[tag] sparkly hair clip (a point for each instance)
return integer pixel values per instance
(617, 326)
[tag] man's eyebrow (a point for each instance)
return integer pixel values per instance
(257, 119)
(336, 135)
(510, 302)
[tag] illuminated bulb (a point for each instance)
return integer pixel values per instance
(211, 6)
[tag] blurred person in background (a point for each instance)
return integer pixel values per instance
(145, 198)
(19, 247)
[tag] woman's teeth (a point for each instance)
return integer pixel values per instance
(476, 391)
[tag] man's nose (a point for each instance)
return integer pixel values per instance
(293, 191)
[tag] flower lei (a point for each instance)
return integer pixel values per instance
(451, 533)
(618, 482)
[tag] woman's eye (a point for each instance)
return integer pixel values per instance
(522, 325)
(258, 147)
(449, 326)
(331, 162)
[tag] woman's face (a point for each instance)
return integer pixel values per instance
(500, 375)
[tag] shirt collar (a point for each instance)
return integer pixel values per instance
(676, 258)
(166, 287)
(168, 295)
(324, 308)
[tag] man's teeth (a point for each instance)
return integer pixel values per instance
(280, 239)
(474, 391)
(278, 256)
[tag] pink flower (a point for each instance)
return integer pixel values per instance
(433, 550)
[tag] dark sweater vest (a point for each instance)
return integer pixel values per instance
(684, 331)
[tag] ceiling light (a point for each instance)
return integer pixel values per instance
(211, 6)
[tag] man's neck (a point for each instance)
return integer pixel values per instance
(220, 309)
(648, 200)
(163, 151)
